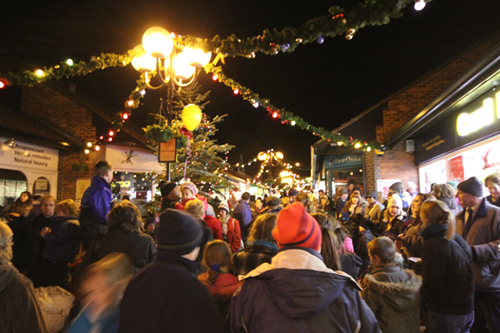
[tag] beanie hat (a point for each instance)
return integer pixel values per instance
(472, 186)
(344, 191)
(372, 194)
(398, 187)
(192, 187)
(295, 227)
(452, 184)
(166, 188)
(224, 206)
(395, 200)
(178, 232)
(293, 192)
(273, 201)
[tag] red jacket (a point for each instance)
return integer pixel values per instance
(234, 238)
(215, 225)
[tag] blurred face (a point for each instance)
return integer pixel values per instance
(151, 227)
(23, 197)
(258, 203)
(60, 212)
(344, 196)
(187, 194)
(175, 194)
(350, 187)
(494, 190)
(415, 205)
(108, 176)
(222, 213)
(97, 294)
(355, 200)
(47, 207)
(394, 211)
(467, 200)
(25, 211)
(370, 200)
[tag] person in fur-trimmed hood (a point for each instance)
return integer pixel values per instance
(391, 292)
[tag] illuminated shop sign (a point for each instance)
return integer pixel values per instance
(468, 123)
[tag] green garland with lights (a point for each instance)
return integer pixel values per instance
(271, 42)
(285, 116)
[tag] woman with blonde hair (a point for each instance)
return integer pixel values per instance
(196, 208)
(447, 290)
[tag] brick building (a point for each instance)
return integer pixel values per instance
(388, 123)
(53, 122)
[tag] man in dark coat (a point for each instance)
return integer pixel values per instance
(479, 225)
(165, 296)
(171, 194)
(96, 204)
(297, 292)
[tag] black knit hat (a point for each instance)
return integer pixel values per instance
(472, 186)
(178, 232)
(293, 192)
(372, 194)
(166, 188)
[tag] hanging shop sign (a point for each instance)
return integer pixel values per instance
(24, 155)
(478, 120)
(167, 151)
(342, 161)
(132, 159)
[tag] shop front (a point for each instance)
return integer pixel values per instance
(341, 170)
(26, 167)
(465, 144)
(457, 136)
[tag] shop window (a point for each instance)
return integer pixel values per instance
(12, 184)
(41, 186)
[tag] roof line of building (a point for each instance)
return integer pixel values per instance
(415, 82)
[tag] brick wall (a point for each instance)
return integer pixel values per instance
(396, 164)
(74, 119)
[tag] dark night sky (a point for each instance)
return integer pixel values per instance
(326, 84)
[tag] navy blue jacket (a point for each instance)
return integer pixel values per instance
(300, 300)
(63, 242)
(98, 197)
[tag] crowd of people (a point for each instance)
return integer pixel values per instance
(300, 263)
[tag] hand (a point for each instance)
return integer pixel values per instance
(45, 231)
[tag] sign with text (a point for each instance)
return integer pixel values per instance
(167, 151)
(132, 159)
(342, 161)
(27, 155)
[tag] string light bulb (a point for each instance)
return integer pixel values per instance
(111, 133)
(419, 5)
(69, 62)
(39, 72)
(275, 115)
(236, 91)
(357, 145)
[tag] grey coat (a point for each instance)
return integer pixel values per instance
(375, 213)
(484, 239)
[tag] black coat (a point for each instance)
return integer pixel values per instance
(166, 297)
(448, 280)
(252, 256)
(138, 246)
(63, 242)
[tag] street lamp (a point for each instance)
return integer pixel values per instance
(269, 158)
(174, 67)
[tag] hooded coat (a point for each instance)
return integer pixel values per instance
(393, 295)
(18, 306)
(298, 293)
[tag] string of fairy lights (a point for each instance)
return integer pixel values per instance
(270, 42)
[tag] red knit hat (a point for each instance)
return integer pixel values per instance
(295, 227)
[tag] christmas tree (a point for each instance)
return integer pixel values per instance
(204, 166)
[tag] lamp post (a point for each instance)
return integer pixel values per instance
(174, 67)
(269, 158)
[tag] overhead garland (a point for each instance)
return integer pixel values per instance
(337, 22)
